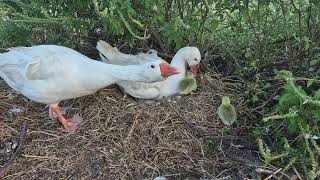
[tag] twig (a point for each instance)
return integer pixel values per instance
(18, 150)
(156, 36)
(46, 133)
(136, 119)
(165, 55)
(40, 157)
(297, 173)
(223, 178)
(283, 40)
(190, 124)
(204, 18)
(263, 171)
(260, 170)
(265, 102)
(273, 174)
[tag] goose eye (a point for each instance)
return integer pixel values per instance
(150, 52)
(195, 59)
(152, 66)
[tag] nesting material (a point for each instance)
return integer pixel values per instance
(125, 138)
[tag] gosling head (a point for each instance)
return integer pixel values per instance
(225, 101)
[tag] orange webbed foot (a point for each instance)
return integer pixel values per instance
(69, 124)
(53, 114)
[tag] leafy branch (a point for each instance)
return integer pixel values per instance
(284, 116)
(266, 153)
(103, 14)
(286, 75)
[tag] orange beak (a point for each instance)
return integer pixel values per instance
(167, 70)
(194, 69)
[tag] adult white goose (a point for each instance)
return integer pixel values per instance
(157, 90)
(49, 74)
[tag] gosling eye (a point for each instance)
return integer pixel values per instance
(195, 59)
(152, 66)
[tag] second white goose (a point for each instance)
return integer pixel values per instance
(157, 90)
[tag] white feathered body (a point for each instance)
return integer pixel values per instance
(157, 90)
(49, 74)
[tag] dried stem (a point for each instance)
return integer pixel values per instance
(18, 150)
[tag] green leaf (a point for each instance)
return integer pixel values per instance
(317, 95)
(283, 74)
(214, 24)
(314, 62)
(310, 82)
(289, 98)
(254, 98)
(307, 43)
(248, 53)
(292, 125)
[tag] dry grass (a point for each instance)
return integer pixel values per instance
(128, 139)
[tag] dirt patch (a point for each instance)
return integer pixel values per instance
(121, 138)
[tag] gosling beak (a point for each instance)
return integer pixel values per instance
(167, 70)
(194, 69)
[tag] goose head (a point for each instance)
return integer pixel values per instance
(157, 71)
(192, 57)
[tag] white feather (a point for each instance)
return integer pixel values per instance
(157, 90)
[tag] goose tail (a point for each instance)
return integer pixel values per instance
(5, 67)
(106, 51)
(112, 55)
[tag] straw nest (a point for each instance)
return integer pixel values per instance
(122, 138)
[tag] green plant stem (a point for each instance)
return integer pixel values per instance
(33, 20)
(136, 21)
(291, 163)
(284, 116)
(130, 30)
(267, 155)
(314, 163)
(96, 7)
(316, 146)
(203, 18)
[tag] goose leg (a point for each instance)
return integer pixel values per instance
(53, 115)
(69, 124)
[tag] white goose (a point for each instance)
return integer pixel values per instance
(49, 74)
(157, 90)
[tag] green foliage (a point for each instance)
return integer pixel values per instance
(66, 20)
(294, 128)
(35, 22)
(250, 30)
